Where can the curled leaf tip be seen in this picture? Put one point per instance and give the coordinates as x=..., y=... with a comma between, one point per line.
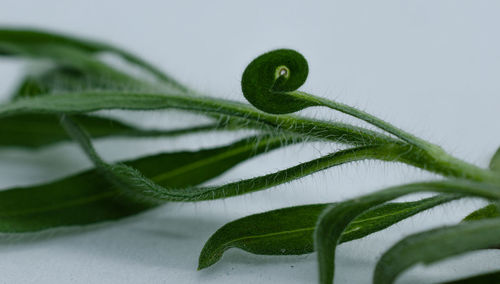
x=270, y=81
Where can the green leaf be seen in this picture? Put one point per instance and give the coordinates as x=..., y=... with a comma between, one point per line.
x=270, y=81
x=76, y=78
x=335, y=219
x=88, y=197
x=489, y=211
x=290, y=230
x=435, y=245
x=29, y=42
x=30, y=86
x=495, y=161
x=488, y=278
x=71, y=78
x=36, y=130
x=386, y=215
x=67, y=57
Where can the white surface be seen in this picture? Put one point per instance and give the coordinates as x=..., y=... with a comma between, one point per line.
x=431, y=67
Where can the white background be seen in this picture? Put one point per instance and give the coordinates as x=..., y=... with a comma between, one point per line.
x=430, y=67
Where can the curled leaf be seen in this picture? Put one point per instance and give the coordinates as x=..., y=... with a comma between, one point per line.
x=270, y=81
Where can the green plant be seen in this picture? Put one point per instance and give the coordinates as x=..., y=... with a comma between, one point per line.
x=58, y=102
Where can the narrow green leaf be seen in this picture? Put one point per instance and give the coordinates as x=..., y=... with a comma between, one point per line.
x=488, y=278
x=88, y=197
x=335, y=219
x=495, y=161
x=36, y=130
x=385, y=215
x=489, y=211
x=30, y=86
x=290, y=230
x=66, y=57
x=29, y=42
x=72, y=78
x=77, y=77
x=435, y=245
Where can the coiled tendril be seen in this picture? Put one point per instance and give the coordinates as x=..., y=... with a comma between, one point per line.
x=270, y=81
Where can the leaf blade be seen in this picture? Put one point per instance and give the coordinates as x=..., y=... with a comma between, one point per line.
x=290, y=230
x=38, y=130
x=87, y=197
x=495, y=161
x=489, y=211
x=30, y=42
x=487, y=278
x=435, y=245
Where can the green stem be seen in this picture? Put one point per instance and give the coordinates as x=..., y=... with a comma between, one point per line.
x=449, y=165
x=405, y=136
x=92, y=101
x=439, y=161
x=132, y=179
